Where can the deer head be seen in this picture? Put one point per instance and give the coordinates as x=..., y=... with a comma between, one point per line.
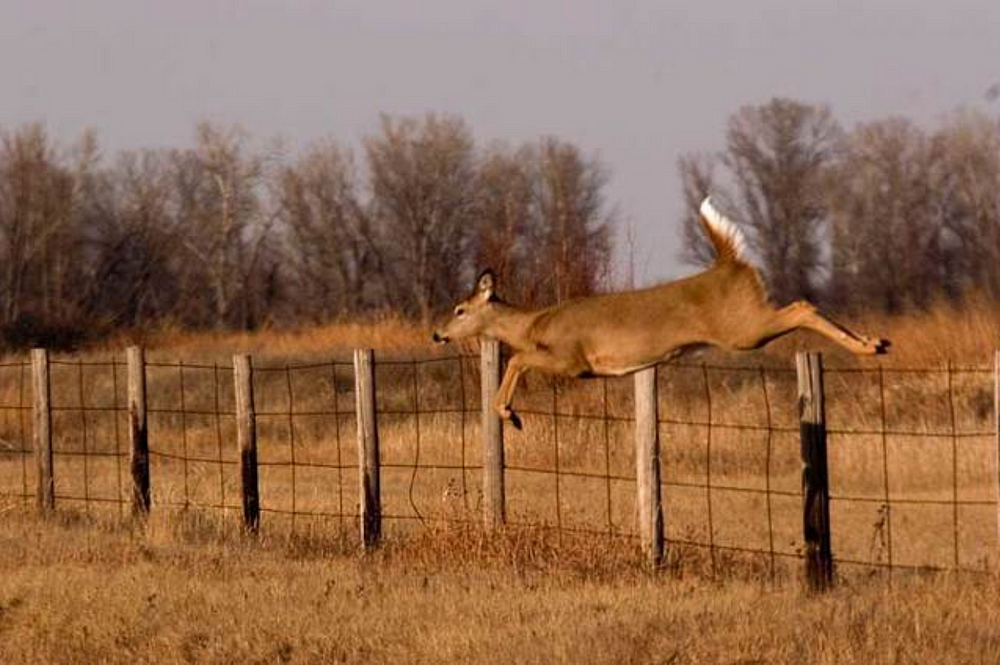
x=472, y=315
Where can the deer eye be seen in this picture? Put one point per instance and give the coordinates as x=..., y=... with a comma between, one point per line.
x=459, y=311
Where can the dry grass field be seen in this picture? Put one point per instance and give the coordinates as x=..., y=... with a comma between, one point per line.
x=88, y=586
x=76, y=591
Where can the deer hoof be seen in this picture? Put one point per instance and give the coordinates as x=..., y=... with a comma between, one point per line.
x=872, y=347
x=506, y=413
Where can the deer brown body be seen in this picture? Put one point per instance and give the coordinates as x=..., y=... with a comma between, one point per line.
x=725, y=306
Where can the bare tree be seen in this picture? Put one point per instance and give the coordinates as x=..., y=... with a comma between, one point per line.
x=575, y=226
x=192, y=235
x=777, y=153
x=697, y=181
x=506, y=232
x=134, y=252
x=37, y=239
x=967, y=194
x=222, y=223
x=885, y=236
x=423, y=199
x=334, y=261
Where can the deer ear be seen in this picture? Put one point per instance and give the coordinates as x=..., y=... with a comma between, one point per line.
x=486, y=283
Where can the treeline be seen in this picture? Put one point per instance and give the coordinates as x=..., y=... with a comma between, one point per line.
x=885, y=215
x=226, y=235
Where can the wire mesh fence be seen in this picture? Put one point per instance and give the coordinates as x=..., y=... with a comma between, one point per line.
x=912, y=454
x=15, y=432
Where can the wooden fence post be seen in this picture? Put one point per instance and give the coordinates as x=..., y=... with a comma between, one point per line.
x=246, y=435
x=42, y=412
x=647, y=461
x=493, y=480
x=368, y=451
x=815, y=480
x=996, y=442
x=138, y=433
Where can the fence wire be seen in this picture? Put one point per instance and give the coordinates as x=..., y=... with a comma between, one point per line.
x=912, y=456
x=18, y=480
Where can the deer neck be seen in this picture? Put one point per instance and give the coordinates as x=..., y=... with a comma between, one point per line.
x=510, y=325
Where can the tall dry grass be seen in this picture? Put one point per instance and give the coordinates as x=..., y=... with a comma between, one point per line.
x=74, y=591
x=388, y=333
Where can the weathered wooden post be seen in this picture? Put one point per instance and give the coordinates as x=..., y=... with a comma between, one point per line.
x=996, y=442
x=368, y=451
x=493, y=481
x=815, y=480
x=246, y=436
x=42, y=418
x=138, y=432
x=647, y=462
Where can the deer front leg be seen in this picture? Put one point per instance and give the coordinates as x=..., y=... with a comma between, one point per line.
x=565, y=365
x=505, y=394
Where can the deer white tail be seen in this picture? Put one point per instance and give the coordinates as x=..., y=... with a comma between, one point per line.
x=726, y=237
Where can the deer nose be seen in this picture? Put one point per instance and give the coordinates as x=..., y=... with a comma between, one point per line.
x=439, y=339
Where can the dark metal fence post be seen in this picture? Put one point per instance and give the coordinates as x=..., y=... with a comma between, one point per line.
x=815, y=480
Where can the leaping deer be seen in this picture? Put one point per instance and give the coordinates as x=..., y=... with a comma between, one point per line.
x=725, y=306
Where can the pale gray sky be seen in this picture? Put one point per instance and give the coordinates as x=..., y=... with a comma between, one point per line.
x=636, y=83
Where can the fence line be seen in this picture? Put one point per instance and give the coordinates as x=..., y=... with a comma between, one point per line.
x=413, y=431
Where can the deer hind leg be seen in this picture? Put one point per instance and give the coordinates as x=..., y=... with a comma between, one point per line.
x=802, y=314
